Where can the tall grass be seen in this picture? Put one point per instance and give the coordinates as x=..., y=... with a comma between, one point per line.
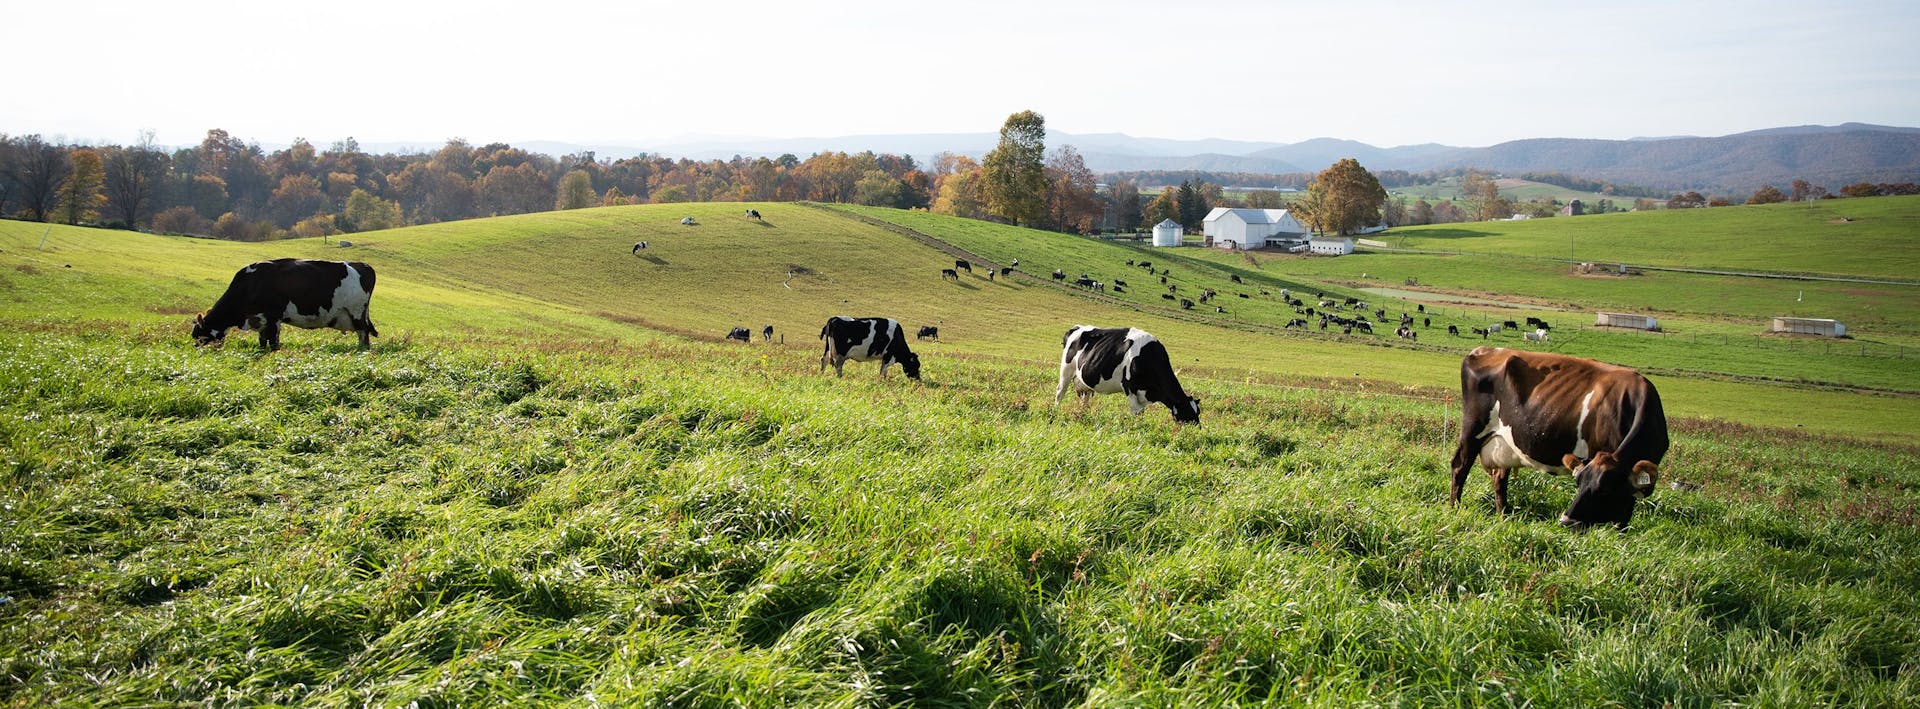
x=448, y=522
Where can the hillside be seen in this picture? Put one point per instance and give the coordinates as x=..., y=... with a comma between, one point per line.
x=551, y=483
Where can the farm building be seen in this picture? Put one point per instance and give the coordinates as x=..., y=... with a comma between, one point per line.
x=1167, y=233
x=1330, y=246
x=1230, y=228
x=1810, y=326
x=1637, y=322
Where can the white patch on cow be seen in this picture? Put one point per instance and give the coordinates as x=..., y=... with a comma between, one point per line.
x=1580, y=448
x=865, y=350
x=1499, y=450
x=349, y=303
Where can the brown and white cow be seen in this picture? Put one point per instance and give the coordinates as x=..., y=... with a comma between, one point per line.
x=1601, y=422
x=298, y=292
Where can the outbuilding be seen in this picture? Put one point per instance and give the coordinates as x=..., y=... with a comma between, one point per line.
x=1167, y=233
x=1810, y=326
x=1330, y=246
x=1231, y=228
x=1637, y=322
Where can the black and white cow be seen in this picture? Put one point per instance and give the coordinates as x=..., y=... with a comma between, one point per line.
x=753, y=214
x=926, y=332
x=741, y=334
x=864, y=340
x=1122, y=360
x=298, y=292
x=766, y=331
x=638, y=246
x=963, y=265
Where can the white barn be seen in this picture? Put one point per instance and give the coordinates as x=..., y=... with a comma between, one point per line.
x=1638, y=322
x=1167, y=233
x=1230, y=228
x=1330, y=246
x=1810, y=326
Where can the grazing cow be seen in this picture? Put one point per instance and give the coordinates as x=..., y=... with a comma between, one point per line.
x=989, y=274
x=1171, y=287
x=1120, y=283
x=1296, y=322
x=1186, y=304
x=1603, y=423
x=947, y=273
x=1118, y=289
x=1353, y=301
x=298, y=292
x=1147, y=265
x=1166, y=296
x=1129, y=262
x=753, y=214
x=1059, y=275
x=1084, y=282
x=1453, y=330
x=766, y=332
x=1536, y=336
x=1235, y=277
x=1494, y=328
x=741, y=334
x=1163, y=280
x=1481, y=331
x=1510, y=325
x=1364, y=326
x=1426, y=322
x=864, y=340
x=1015, y=264
x=638, y=245
x=1422, y=307
x=1219, y=309
x=1533, y=321
x=1243, y=295
x=963, y=265
x=687, y=221
x=1544, y=327
x=928, y=332
x=1122, y=360
x=1006, y=271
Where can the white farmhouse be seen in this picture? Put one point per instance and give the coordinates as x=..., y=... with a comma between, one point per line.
x=1167, y=233
x=1230, y=228
x=1330, y=246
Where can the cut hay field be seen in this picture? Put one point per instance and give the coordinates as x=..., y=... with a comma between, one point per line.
x=551, y=483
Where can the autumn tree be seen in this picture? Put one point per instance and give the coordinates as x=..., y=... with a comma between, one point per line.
x=1801, y=190
x=1687, y=200
x=1482, y=194
x=1345, y=198
x=576, y=191
x=1161, y=209
x=1015, y=175
x=519, y=189
x=1123, y=205
x=961, y=195
x=1072, y=204
x=132, y=174
x=1860, y=189
x=877, y=189
x=1266, y=199
x=181, y=220
x=297, y=198
x=38, y=170
x=80, y=198
x=365, y=212
x=1767, y=194
x=1421, y=213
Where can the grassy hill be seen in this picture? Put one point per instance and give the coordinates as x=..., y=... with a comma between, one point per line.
x=550, y=482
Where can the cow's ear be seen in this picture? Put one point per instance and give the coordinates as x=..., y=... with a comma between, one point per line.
x=1571, y=461
x=1645, y=474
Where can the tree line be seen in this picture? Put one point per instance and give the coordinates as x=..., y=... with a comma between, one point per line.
x=230, y=188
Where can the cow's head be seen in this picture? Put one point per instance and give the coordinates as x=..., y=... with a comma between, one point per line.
x=1188, y=411
x=205, y=335
x=1607, y=489
x=910, y=363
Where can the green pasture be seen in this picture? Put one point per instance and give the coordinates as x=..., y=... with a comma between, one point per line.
x=1873, y=237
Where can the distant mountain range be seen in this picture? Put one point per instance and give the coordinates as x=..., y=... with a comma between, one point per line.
x=1831, y=156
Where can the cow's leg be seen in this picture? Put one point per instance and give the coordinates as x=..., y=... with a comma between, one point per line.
x=1060, y=392
x=1467, y=452
x=270, y=335
x=839, y=365
x=884, y=361
x=1500, y=489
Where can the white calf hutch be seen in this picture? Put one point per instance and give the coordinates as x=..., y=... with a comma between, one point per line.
x=1810, y=326
x=1330, y=246
x=1629, y=320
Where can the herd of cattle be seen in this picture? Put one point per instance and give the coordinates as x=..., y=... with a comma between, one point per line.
x=1599, y=422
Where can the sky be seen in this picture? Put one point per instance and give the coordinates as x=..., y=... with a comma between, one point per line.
x=640, y=73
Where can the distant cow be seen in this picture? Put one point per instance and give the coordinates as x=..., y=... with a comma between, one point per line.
x=298, y=292
x=1186, y=304
x=1166, y=296
x=766, y=332
x=1006, y=271
x=1235, y=277
x=928, y=332
x=1453, y=330
x=1120, y=283
x=865, y=340
x=638, y=245
x=1126, y=361
x=1147, y=265
x=687, y=221
x=741, y=334
x=1059, y=275
x=1536, y=336
x=1603, y=423
x=1482, y=332
x=753, y=214
x=1494, y=328
x=963, y=265
x=1510, y=325
x=946, y=273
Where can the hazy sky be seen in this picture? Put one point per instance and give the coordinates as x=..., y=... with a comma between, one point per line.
x=639, y=73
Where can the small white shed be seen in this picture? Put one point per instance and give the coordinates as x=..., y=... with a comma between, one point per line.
x=1167, y=233
x=1810, y=326
x=1330, y=246
x=1637, y=322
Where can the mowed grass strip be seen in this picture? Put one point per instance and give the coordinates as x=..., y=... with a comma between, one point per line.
x=448, y=521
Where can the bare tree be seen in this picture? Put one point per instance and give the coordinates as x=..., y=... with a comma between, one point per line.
x=38, y=172
x=133, y=174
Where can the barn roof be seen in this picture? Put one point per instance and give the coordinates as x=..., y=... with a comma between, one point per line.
x=1250, y=216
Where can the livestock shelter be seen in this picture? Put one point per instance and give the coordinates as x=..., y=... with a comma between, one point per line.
x=1637, y=322
x=1330, y=246
x=1810, y=326
x=1230, y=228
x=1167, y=233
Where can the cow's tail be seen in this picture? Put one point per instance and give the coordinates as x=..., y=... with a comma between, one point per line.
x=823, y=330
